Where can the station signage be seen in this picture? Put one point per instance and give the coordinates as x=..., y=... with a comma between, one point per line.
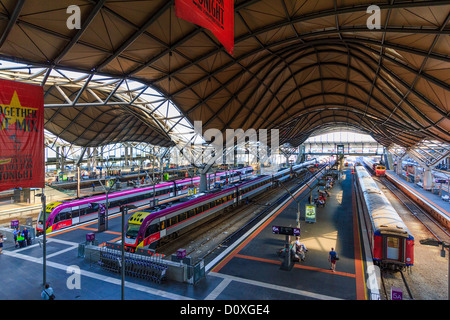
x=286, y=231
x=14, y=224
x=101, y=217
x=396, y=293
x=310, y=213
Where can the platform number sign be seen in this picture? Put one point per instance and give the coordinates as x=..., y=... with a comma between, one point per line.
x=396, y=293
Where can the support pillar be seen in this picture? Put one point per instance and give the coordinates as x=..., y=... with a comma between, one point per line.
x=203, y=182
x=63, y=158
x=399, y=166
x=58, y=167
x=427, y=179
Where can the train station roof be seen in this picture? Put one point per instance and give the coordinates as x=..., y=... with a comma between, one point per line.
x=297, y=66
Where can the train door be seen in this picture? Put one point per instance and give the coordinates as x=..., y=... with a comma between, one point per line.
x=393, y=248
x=75, y=215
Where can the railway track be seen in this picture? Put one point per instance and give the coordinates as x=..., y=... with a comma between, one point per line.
x=390, y=279
x=209, y=238
x=433, y=226
x=220, y=224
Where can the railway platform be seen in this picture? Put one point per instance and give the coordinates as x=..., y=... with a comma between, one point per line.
x=253, y=266
x=250, y=269
x=427, y=200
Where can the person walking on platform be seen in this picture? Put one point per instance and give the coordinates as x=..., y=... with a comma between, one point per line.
x=332, y=258
x=1, y=243
x=47, y=293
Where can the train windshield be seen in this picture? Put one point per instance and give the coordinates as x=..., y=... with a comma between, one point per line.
x=133, y=230
x=41, y=217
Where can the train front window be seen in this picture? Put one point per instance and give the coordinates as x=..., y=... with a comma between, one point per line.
x=132, y=230
x=41, y=217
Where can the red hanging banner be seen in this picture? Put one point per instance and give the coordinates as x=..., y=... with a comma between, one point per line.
x=214, y=15
x=22, y=161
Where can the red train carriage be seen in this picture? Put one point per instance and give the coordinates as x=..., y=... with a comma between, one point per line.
x=392, y=244
x=380, y=170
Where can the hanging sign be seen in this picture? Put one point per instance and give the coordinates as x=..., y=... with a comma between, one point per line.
x=289, y=231
x=214, y=15
x=21, y=135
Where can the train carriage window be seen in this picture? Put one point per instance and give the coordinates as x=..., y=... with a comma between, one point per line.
x=172, y=221
x=75, y=213
x=82, y=212
x=183, y=216
x=153, y=228
x=65, y=216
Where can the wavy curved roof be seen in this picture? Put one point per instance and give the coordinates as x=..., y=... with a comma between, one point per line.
x=297, y=66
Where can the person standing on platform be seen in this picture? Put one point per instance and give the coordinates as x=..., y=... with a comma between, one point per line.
x=332, y=258
x=1, y=243
x=15, y=233
x=25, y=233
x=20, y=240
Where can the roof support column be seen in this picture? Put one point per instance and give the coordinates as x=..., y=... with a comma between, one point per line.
x=427, y=179
x=83, y=151
x=203, y=182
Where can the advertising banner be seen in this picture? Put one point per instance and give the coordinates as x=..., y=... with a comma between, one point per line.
x=310, y=213
x=214, y=15
x=22, y=162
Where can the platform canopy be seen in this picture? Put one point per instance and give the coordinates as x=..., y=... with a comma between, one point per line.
x=298, y=65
